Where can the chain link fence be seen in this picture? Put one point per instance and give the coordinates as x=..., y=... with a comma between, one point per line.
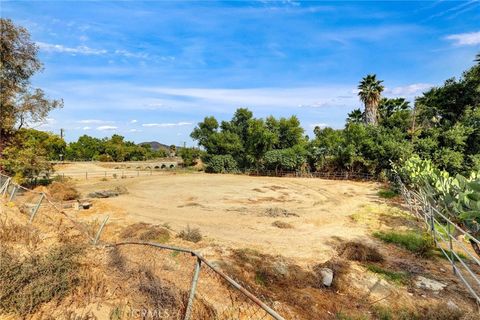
x=179, y=283
x=452, y=241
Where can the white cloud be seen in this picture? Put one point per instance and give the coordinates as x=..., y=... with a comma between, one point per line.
x=133, y=121
x=321, y=125
x=94, y=121
x=465, y=39
x=162, y=125
x=134, y=130
x=86, y=128
x=409, y=90
x=107, y=128
x=75, y=50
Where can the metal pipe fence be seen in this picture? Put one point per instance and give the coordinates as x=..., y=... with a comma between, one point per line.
x=449, y=238
x=203, y=290
x=307, y=174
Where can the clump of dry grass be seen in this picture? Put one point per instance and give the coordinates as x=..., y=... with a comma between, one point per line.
x=63, y=190
x=145, y=232
x=18, y=233
x=27, y=283
x=275, y=212
x=357, y=251
x=340, y=269
x=191, y=234
x=282, y=225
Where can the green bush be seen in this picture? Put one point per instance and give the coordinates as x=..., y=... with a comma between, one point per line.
x=418, y=243
x=221, y=164
x=387, y=193
x=396, y=277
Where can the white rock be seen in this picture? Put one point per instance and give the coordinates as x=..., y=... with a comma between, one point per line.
x=429, y=284
x=327, y=276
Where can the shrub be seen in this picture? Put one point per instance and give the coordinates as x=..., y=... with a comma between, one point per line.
x=387, y=193
x=357, y=251
x=63, y=191
x=418, y=243
x=192, y=235
x=27, y=283
x=221, y=164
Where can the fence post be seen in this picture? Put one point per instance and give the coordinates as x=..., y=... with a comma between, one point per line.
x=99, y=232
x=35, y=209
x=13, y=193
x=450, y=247
x=432, y=222
x=5, y=186
x=188, y=311
x=86, y=175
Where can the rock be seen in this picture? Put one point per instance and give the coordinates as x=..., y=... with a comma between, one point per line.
x=281, y=268
x=327, y=276
x=86, y=205
x=452, y=306
x=429, y=284
x=103, y=194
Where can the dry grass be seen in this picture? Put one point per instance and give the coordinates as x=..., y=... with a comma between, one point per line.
x=27, y=283
x=11, y=232
x=191, y=234
x=63, y=190
x=145, y=232
x=282, y=225
x=357, y=251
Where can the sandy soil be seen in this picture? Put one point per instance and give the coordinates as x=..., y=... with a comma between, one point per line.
x=232, y=210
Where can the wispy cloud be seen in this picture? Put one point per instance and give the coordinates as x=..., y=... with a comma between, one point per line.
x=408, y=91
x=86, y=128
x=133, y=121
x=48, y=47
x=465, y=39
x=107, y=128
x=160, y=125
x=455, y=10
x=94, y=121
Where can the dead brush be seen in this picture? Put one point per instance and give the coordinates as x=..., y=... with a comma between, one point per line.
x=27, y=283
x=63, y=190
x=282, y=225
x=191, y=234
x=357, y=251
x=145, y=232
x=116, y=260
x=18, y=233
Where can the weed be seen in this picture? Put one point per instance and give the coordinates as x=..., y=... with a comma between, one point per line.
x=418, y=243
x=396, y=277
x=13, y=232
x=27, y=283
x=387, y=193
x=357, y=251
x=116, y=259
x=192, y=235
x=282, y=225
x=442, y=311
x=157, y=235
x=439, y=253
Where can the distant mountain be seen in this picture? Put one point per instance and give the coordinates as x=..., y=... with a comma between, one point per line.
x=157, y=145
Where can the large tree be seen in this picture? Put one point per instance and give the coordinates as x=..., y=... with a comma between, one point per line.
x=20, y=104
x=370, y=93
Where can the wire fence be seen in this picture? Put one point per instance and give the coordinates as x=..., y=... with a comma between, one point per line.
x=307, y=174
x=188, y=286
x=450, y=239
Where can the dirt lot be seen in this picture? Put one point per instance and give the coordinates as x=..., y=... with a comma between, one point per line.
x=238, y=211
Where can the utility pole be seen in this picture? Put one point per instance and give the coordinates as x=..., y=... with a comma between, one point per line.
x=62, y=131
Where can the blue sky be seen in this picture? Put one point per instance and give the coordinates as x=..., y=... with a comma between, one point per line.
x=152, y=70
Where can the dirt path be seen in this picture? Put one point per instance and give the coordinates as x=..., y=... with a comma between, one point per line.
x=232, y=210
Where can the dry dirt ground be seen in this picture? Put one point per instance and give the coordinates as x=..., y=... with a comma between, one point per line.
x=238, y=211
x=238, y=217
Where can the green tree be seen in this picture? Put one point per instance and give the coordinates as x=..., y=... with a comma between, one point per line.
x=370, y=91
x=356, y=116
x=189, y=156
x=20, y=104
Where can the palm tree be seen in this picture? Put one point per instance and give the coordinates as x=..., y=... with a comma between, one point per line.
x=477, y=58
x=356, y=116
x=370, y=92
